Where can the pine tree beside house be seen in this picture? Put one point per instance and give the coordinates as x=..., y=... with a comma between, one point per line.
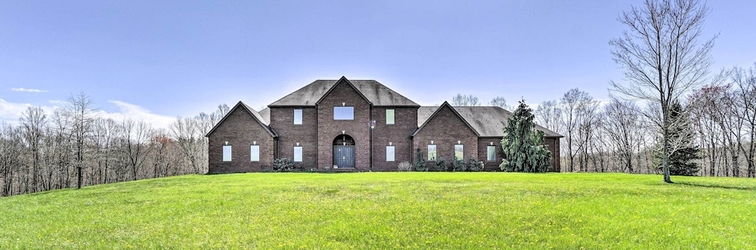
x=522, y=144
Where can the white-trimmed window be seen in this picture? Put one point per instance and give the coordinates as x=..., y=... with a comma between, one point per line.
x=343, y=113
x=227, y=153
x=432, y=152
x=491, y=154
x=389, y=116
x=298, y=154
x=254, y=152
x=390, y=150
x=297, y=116
x=459, y=152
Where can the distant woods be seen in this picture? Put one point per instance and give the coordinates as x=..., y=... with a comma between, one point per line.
x=712, y=129
x=45, y=149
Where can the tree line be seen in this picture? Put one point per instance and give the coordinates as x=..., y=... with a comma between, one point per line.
x=44, y=150
x=717, y=121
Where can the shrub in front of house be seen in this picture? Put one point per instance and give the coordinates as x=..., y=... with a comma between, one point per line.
x=459, y=165
x=474, y=165
x=283, y=165
x=420, y=161
x=441, y=164
x=405, y=166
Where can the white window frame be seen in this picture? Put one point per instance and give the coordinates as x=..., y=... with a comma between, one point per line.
x=298, y=117
x=345, y=110
x=432, y=157
x=390, y=153
x=459, y=148
x=297, y=154
x=491, y=153
x=227, y=153
x=390, y=116
x=254, y=153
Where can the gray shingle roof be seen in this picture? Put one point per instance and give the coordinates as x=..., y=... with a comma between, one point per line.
x=375, y=92
x=265, y=113
x=488, y=121
x=250, y=111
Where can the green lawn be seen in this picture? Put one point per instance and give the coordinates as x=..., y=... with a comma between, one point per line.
x=389, y=210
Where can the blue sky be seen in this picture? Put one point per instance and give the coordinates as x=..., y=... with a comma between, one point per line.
x=158, y=60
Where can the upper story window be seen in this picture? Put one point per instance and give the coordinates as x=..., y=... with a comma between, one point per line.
x=343, y=113
x=389, y=116
x=297, y=116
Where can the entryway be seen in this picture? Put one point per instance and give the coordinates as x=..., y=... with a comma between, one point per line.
x=343, y=151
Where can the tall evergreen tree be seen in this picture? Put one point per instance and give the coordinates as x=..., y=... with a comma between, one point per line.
x=523, y=145
x=683, y=148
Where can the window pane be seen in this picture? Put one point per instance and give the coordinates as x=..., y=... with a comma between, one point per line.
x=297, y=154
x=297, y=116
x=459, y=152
x=431, y=152
x=389, y=153
x=254, y=153
x=389, y=116
x=343, y=113
x=491, y=153
x=226, y=153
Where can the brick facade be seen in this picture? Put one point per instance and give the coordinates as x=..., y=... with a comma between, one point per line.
x=343, y=95
x=289, y=134
x=240, y=129
x=445, y=130
x=277, y=135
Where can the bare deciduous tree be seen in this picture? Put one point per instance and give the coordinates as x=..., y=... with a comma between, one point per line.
x=662, y=56
x=500, y=102
x=33, y=122
x=622, y=123
x=465, y=100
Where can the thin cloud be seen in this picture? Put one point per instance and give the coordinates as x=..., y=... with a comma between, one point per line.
x=137, y=113
x=10, y=113
x=28, y=90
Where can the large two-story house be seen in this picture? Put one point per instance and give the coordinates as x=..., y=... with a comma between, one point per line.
x=357, y=125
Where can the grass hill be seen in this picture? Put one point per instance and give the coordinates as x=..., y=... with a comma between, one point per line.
x=389, y=210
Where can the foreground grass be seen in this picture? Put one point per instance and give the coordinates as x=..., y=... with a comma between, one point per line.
x=389, y=210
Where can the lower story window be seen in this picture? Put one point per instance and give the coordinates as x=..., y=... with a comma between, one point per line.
x=254, y=153
x=431, y=152
x=298, y=154
x=227, y=153
x=459, y=152
x=390, y=153
x=491, y=153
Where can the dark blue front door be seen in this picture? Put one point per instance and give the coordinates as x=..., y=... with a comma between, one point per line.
x=343, y=156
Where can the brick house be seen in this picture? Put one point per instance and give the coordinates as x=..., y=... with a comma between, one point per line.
x=357, y=125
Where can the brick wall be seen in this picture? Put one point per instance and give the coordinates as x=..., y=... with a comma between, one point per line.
x=483, y=144
x=445, y=129
x=240, y=130
x=289, y=134
x=405, y=122
x=328, y=129
x=553, y=145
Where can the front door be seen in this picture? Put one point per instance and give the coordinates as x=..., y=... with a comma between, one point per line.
x=343, y=151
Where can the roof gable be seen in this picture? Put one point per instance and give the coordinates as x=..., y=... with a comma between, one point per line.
x=373, y=91
x=346, y=81
x=443, y=105
x=256, y=116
